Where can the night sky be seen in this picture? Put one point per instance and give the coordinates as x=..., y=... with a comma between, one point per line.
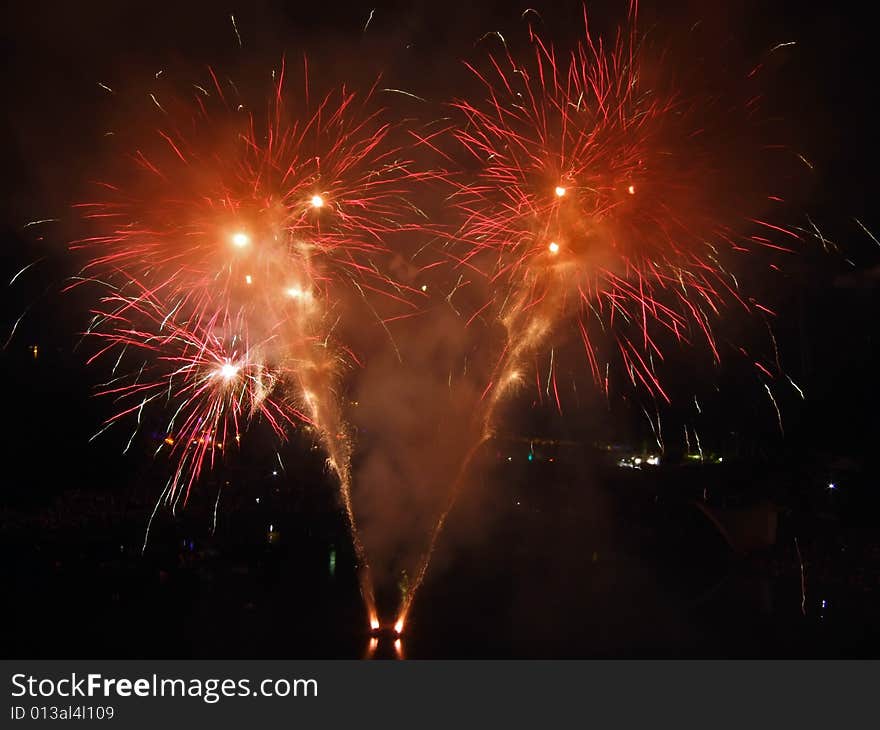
x=54, y=55
x=54, y=58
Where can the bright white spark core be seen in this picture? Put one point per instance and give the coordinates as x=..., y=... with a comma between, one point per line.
x=240, y=239
x=317, y=201
x=228, y=371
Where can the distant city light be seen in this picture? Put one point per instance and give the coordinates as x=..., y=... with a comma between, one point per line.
x=636, y=462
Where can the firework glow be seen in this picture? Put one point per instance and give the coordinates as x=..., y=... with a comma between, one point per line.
x=227, y=254
x=605, y=207
x=591, y=195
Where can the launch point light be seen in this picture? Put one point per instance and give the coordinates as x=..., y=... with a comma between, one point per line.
x=553, y=247
x=398, y=627
x=240, y=239
x=374, y=623
x=560, y=191
x=317, y=201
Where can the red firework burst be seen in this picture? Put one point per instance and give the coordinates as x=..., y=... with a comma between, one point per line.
x=606, y=200
x=228, y=246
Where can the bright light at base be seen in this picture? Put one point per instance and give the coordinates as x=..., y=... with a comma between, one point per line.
x=398, y=627
x=240, y=239
x=560, y=191
x=317, y=201
x=553, y=247
x=374, y=623
x=228, y=371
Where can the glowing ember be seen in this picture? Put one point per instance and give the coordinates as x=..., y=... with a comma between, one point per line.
x=228, y=371
x=317, y=201
x=240, y=239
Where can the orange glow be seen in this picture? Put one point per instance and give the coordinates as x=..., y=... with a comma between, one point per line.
x=398, y=627
x=374, y=623
x=169, y=440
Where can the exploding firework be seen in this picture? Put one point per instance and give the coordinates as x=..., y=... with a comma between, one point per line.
x=604, y=204
x=228, y=248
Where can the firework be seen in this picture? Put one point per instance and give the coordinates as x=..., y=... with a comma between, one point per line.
x=227, y=248
x=604, y=204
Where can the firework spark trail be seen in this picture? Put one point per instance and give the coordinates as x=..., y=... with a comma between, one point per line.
x=323, y=407
x=227, y=250
x=602, y=202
